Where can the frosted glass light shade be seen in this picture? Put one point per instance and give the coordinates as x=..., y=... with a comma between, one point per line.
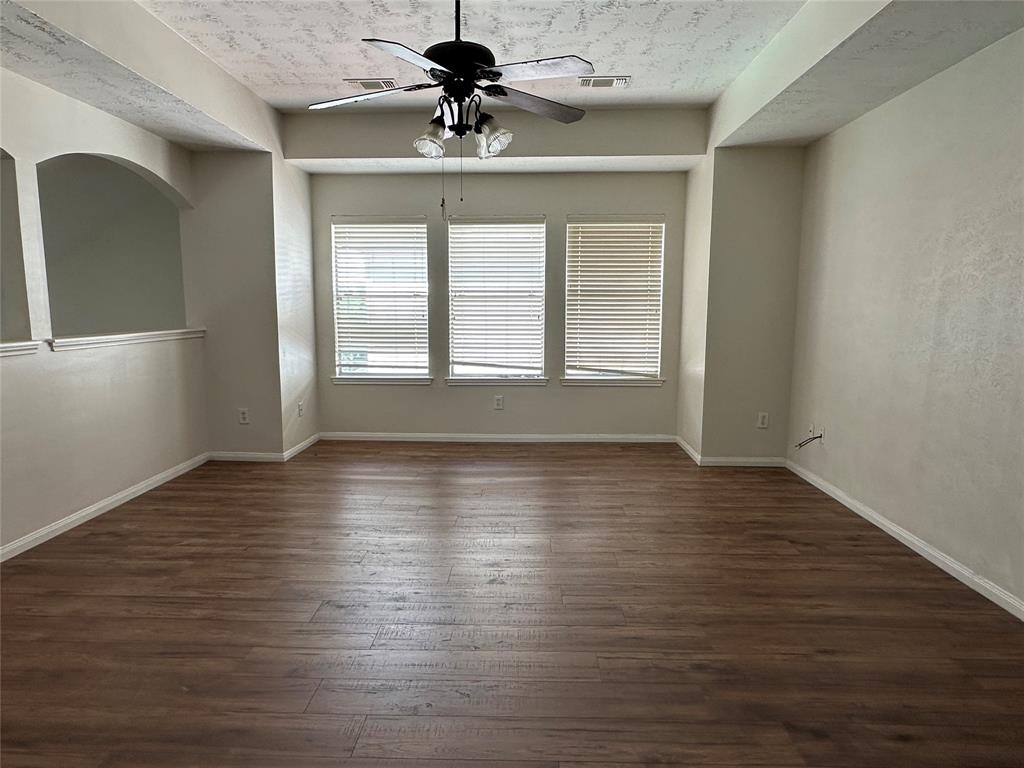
x=492, y=138
x=481, y=147
x=431, y=143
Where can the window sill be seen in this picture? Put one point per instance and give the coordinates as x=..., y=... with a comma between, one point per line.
x=119, y=339
x=473, y=381
x=12, y=348
x=413, y=380
x=599, y=382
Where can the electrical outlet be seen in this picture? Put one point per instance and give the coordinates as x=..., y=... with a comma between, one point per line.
x=762, y=420
x=499, y=402
x=817, y=429
x=243, y=415
x=302, y=408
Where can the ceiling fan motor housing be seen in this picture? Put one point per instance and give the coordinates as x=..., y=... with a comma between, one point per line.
x=461, y=57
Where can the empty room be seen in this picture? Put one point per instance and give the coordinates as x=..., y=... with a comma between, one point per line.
x=500, y=384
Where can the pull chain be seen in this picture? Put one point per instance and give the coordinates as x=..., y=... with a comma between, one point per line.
x=460, y=169
x=444, y=214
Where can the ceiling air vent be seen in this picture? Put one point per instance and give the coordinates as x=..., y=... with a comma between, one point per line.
x=371, y=84
x=609, y=81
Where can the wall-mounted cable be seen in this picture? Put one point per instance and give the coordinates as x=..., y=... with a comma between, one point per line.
x=809, y=440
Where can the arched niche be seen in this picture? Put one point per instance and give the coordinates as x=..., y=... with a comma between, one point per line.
x=14, y=318
x=112, y=243
x=178, y=196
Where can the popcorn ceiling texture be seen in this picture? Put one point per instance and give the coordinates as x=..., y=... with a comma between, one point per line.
x=294, y=52
x=903, y=45
x=36, y=49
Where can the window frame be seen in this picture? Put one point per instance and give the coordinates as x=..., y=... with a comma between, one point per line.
x=364, y=379
x=539, y=379
x=624, y=380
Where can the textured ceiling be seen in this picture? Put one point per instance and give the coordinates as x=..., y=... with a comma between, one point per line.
x=36, y=49
x=294, y=52
x=907, y=42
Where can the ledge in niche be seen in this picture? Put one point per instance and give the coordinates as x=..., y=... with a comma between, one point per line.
x=119, y=339
x=12, y=348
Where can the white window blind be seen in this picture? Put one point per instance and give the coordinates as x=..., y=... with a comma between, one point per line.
x=496, y=298
x=613, y=298
x=380, y=298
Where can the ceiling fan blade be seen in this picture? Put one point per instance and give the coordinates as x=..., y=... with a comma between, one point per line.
x=563, y=113
x=405, y=53
x=538, y=69
x=370, y=95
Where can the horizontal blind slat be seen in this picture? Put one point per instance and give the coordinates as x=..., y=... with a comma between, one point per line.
x=496, y=297
x=380, y=299
x=613, y=298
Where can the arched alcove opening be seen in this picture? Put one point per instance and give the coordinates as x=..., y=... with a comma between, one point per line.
x=14, y=322
x=112, y=244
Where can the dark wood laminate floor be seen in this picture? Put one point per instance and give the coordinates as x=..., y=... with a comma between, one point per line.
x=385, y=605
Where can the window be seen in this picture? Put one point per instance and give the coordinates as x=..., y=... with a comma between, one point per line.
x=380, y=299
x=613, y=300
x=496, y=299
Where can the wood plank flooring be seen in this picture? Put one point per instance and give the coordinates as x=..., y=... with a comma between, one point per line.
x=389, y=605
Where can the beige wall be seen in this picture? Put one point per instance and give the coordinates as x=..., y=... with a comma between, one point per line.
x=552, y=409
x=37, y=123
x=755, y=244
x=113, y=250
x=79, y=426
x=604, y=133
x=816, y=29
x=296, y=330
x=694, y=315
x=82, y=425
x=742, y=242
x=910, y=318
x=227, y=244
x=14, y=302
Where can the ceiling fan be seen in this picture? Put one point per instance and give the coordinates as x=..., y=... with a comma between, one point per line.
x=464, y=70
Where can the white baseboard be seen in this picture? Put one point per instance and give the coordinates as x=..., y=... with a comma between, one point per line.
x=472, y=437
x=93, y=510
x=690, y=450
x=742, y=461
x=245, y=456
x=953, y=567
x=729, y=461
x=105, y=505
x=264, y=457
x=295, y=450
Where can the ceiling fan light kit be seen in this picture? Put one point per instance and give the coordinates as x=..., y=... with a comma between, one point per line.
x=464, y=70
